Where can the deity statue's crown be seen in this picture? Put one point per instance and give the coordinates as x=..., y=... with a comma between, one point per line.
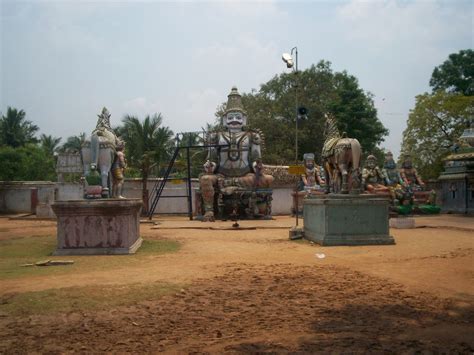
x=371, y=157
x=234, y=102
x=308, y=156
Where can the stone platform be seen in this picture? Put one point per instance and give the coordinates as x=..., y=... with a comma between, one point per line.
x=337, y=219
x=98, y=227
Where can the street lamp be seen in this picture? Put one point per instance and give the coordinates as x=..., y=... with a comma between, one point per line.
x=288, y=59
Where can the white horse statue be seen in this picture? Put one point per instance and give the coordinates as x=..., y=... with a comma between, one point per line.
x=98, y=152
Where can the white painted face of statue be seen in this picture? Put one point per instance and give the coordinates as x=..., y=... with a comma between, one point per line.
x=234, y=121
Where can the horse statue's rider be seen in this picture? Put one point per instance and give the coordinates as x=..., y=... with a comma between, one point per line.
x=341, y=159
x=234, y=163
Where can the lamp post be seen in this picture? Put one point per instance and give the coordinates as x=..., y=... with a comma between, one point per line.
x=288, y=59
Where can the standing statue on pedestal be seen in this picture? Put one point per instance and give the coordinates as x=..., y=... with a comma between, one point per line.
x=372, y=177
x=233, y=171
x=98, y=153
x=118, y=168
x=341, y=159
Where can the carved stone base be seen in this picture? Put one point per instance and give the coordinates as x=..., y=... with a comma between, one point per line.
x=347, y=220
x=96, y=227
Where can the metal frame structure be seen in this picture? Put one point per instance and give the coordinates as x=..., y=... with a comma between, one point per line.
x=157, y=190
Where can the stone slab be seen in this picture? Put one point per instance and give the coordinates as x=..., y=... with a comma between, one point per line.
x=402, y=223
x=337, y=219
x=98, y=227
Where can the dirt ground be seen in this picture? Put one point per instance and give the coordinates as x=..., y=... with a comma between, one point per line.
x=253, y=290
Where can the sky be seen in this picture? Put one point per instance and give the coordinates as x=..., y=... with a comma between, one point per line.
x=62, y=61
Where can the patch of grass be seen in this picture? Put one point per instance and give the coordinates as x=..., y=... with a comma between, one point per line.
x=158, y=247
x=16, y=252
x=86, y=298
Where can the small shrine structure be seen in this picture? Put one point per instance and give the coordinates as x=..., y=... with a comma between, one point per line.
x=457, y=179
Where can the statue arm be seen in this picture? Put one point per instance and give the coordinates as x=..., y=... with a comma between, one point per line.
x=255, y=147
x=419, y=180
x=385, y=177
x=403, y=177
x=381, y=176
x=365, y=175
x=123, y=161
x=212, y=155
x=304, y=179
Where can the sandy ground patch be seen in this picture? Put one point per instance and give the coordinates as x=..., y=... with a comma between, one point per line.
x=254, y=290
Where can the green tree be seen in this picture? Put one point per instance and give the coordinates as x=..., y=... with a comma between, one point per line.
x=50, y=144
x=456, y=74
x=197, y=155
x=15, y=130
x=29, y=162
x=148, y=145
x=73, y=144
x=433, y=126
x=272, y=109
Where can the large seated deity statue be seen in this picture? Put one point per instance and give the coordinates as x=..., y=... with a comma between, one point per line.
x=372, y=177
x=410, y=175
x=311, y=179
x=413, y=182
x=398, y=194
x=233, y=182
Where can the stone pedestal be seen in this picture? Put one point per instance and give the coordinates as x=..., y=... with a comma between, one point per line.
x=347, y=220
x=95, y=227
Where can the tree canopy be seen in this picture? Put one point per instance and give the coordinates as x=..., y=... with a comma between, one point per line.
x=73, y=144
x=438, y=119
x=29, y=162
x=320, y=90
x=456, y=74
x=15, y=130
x=147, y=142
x=50, y=144
x=433, y=127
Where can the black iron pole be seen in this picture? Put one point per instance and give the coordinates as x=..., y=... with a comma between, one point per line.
x=190, y=191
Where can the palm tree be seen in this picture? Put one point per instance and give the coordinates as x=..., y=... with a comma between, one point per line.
x=50, y=144
x=73, y=144
x=15, y=131
x=147, y=145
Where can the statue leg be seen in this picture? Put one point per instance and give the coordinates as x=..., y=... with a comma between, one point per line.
x=345, y=186
x=117, y=183
x=94, y=151
x=327, y=178
x=105, y=162
x=207, y=184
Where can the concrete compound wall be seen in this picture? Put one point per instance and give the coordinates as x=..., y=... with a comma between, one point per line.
x=24, y=197
x=19, y=197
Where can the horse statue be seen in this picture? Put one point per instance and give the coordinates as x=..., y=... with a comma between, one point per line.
x=98, y=154
x=341, y=160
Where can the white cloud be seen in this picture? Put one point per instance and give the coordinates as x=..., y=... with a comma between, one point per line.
x=381, y=24
x=246, y=59
x=251, y=8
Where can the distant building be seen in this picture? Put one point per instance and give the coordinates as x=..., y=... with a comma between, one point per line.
x=457, y=180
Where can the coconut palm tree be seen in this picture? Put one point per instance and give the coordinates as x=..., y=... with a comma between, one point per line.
x=73, y=144
x=148, y=144
x=50, y=144
x=15, y=131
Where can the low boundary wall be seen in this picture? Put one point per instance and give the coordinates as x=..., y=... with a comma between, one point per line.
x=30, y=197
